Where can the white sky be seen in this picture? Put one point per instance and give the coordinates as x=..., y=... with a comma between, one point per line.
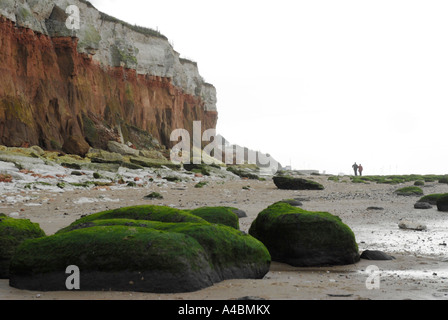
x=318, y=84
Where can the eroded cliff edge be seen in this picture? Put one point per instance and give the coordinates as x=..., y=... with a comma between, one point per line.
x=70, y=90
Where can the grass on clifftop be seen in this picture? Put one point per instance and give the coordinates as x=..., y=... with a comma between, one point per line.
x=143, y=30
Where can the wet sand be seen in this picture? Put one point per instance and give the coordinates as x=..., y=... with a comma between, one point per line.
x=420, y=270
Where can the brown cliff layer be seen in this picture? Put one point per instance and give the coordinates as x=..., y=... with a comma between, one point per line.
x=59, y=99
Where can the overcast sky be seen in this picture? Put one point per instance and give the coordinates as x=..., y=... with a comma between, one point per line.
x=318, y=84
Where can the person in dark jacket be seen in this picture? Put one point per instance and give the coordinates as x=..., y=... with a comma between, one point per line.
x=355, y=168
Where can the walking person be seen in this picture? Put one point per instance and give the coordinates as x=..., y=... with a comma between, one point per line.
x=355, y=168
x=360, y=169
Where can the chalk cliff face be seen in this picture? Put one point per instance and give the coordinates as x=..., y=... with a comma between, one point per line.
x=70, y=90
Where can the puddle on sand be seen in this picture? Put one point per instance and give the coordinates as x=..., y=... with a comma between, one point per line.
x=389, y=238
x=411, y=274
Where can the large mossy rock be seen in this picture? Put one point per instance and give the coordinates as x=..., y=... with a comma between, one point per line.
x=292, y=183
x=232, y=254
x=144, y=249
x=442, y=203
x=219, y=215
x=305, y=239
x=112, y=258
x=432, y=198
x=12, y=233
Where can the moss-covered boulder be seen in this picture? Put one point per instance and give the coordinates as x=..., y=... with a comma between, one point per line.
x=432, y=198
x=442, y=203
x=292, y=183
x=12, y=233
x=219, y=215
x=409, y=191
x=139, y=255
x=112, y=258
x=305, y=239
x=231, y=253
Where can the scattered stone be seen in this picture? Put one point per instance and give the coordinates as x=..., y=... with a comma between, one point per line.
x=122, y=149
x=76, y=145
x=153, y=196
x=376, y=255
x=423, y=205
x=291, y=183
x=251, y=298
x=375, y=208
x=293, y=202
x=410, y=225
x=240, y=213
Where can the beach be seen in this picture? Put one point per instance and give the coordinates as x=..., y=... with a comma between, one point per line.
x=419, y=270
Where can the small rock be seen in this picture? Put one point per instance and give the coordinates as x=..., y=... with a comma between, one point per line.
x=375, y=208
x=250, y=298
x=376, y=255
x=423, y=205
x=409, y=225
x=293, y=202
x=240, y=213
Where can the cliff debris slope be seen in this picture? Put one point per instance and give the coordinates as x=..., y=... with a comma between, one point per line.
x=69, y=90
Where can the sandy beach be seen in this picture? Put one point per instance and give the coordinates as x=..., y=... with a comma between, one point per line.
x=419, y=272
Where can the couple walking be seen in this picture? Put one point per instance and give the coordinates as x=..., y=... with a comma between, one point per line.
x=358, y=168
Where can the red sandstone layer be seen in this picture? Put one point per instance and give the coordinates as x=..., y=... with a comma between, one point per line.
x=57, y=98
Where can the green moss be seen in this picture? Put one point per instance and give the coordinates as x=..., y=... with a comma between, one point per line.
x=359, y=180
x=18, y=109
x=123, y=56
x=173, y=179
x=154, y=163
x=198, y=168
x=154, y=195
x=200, y=185
x=12, y=233
x=334, y=179
x=108, y=249
x=91, y=38
x=87, y=184
x=397, y=179
x=218, y=215
x=150, y=213
x=432, y=198
x=409, y=191
x=222, y=244
x=142, y=30
x=242, y=173
x=443, y=180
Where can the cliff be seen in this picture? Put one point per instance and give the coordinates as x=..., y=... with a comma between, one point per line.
x=70, y=90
